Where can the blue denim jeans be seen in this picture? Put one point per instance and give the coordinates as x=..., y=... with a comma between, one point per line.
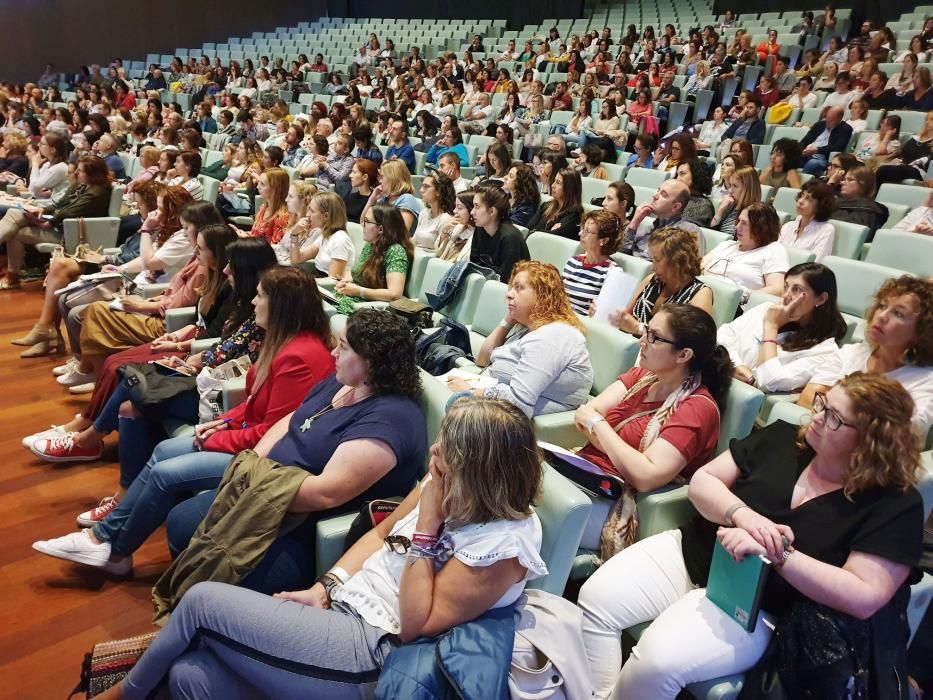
x=176, y=469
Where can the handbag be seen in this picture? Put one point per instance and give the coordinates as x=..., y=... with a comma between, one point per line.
x=533, y=676
x=371, y=514
x=109, y=662
x=151, y=384
x=414, y=313
x=210, y=384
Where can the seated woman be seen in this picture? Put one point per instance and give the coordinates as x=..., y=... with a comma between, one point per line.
x=727, y=166
x=383, y=264
x=778, y=347
x=456, y=237
x=106, y=331
x=45, y=338
x=744, y=189
x=374, y=598
x=856, y=203
x=364, y=176
x=589, y=162
x=845, y=545
x=755, y=261
x=48, y=172
x=165, y=244
x=544, y=366
x=898, y=343
x=522, y=188
x=439, y=198
x=883, y=147
x=88, y=196
x=395, y=189
x=187, y=169
x=583, y=275
x=271, y=221
x=321, y=236
x=912, y=162
x=696, y=175
x=659, y=422
x=812, y=230
x=782, y=170
x=561, y=215
x=919, y=220
x=300, y=194
x=620, y=200
x=547, y=164
x=675, y=264
x=295, y=357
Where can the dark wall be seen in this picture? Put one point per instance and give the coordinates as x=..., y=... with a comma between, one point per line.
x=69, y=33
x=517, y=12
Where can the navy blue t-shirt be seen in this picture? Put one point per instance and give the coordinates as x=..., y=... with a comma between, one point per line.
x=394, y=420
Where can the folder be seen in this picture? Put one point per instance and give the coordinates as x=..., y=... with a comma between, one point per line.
x=736, y=587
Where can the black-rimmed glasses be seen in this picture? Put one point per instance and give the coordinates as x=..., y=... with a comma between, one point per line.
x=833, y=419
x=651, y=337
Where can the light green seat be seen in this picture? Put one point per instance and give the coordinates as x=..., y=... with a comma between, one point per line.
x=644, y=177
x=210, y=188
x=639, y=268
x=594, y=188
x=100, y=232
x=911, y=252
x=552, y=249
x=785, y=199
x=418, y=267
x=857, y=282
x=910, y=195
x=490, y=310
x=712, y=238
x=726, y=298
x=796, y=256
x=849, y=239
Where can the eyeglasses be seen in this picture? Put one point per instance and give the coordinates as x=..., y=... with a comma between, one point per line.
x=369, y=221
x=832, y=418
x=652, y=338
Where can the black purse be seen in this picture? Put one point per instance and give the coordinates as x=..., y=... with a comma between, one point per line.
x=151, y=384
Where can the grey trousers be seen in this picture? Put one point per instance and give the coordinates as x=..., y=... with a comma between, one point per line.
x=72, y=319
x=229, y=642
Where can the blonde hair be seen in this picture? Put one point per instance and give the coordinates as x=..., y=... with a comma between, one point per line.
x=551, y=303
x=396, y=180
x=887, y=454
x=751, y=186
x=331, y=204
x=679, y=248
x=278, y=184
x=151, y=154
x=493, y=465
x=305, y=189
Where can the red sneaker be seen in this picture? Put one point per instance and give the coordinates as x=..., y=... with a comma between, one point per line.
x=63, y=448
x=91, y=517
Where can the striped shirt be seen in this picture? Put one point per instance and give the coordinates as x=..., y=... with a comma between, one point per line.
x=583, y=281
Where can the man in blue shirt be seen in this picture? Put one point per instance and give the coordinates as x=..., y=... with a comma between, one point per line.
x=107, y=150
x=399, y=147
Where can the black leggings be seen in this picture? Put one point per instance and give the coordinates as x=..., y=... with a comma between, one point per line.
x=896, y=173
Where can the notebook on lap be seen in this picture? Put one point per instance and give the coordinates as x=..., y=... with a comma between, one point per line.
x=736, y=587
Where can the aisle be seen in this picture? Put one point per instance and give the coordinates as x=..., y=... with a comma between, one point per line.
x=53, y=611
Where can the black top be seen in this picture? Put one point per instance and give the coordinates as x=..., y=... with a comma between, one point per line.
x=216, y=316
x=883, y=522
x=355, y=203
x=500, y=251
x=886, y=100
x=566, y=225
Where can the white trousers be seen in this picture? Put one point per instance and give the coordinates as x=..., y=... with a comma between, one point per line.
x=690, y=639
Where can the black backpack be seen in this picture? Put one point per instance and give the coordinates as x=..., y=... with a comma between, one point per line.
x=438, y=351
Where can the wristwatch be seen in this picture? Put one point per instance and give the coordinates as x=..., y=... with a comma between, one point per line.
x=331, y=583
x=592, y=422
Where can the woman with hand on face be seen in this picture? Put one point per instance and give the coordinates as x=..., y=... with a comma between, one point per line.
x=299, y=197
x=522, y=188
x=778, y=347
x=385, y=260
x=326, y=241
x=544, y=366
x=272, y=218
x=833, y=508
x=295, y=356
x=464, y=541
x=744, y=189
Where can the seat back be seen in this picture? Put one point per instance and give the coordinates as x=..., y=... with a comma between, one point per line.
x=549, y=248
x=418, y=267
x=712, y=238
x=738, y=419
x=796, y=256
x=849, y=239
x=463, y=308
x=490, y=309
x=785, y=199
x=911, y=252
x=116, y=200
x=643, y=177
x=611, y=352
x=433, y=401
x=433, y=273
x=639, y=268
x=910, y=195
x=101, y=232
x=726, y=298
x=593, y=188
x=563, y=511
x=857, y=282
x=355, y=231
x=211, y=188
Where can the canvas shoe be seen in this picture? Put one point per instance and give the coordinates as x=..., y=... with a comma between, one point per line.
x=73, y=377
x=82, y=388
x=69, y=366
x=52, y=432
x=63, y=448
x=80, y=548
x=90, y=518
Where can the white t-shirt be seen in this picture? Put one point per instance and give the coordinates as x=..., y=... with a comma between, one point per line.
x=374, y=591
x=835, y=99
x=817, y=237
x=428, y=227
x=917, y=380
x=746, y=268
x=802, y=102
x=788, y=371
x=338, y=246
x=174, y=254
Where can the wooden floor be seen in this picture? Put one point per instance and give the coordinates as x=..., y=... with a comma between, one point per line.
x=53, y=611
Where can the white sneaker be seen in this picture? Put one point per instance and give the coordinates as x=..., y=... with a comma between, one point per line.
x=74, y=377
x=79, y=547
x=82, y=388
x=54, y=431
x=69, y=366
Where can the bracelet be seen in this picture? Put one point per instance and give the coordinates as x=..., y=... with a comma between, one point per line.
x=424, y=540
x=415, y=552
x=503, y=324
x=768, y=340
x=731, y=511
x=362, y=292
x=593, y=422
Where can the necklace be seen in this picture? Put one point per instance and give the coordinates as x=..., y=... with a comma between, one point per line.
x=333, y=405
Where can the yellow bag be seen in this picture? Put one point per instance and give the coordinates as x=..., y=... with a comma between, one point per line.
x=779, y=113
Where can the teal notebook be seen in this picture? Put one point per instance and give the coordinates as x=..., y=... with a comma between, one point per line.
x=736, y=587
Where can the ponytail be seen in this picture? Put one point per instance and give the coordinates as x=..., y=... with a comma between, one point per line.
x=693, y=328
x=716, y=376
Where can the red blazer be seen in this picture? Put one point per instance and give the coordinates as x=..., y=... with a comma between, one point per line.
x=303, y=362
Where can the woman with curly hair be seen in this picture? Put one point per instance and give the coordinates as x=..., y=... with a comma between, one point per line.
x=383, y=264
x=295, y=357
x=696, y=175
x=522, y=188
x=786, y=157
x=439, y=199
x=833, y=508
x=537, y=355
x=898, y=343
x=811, y=230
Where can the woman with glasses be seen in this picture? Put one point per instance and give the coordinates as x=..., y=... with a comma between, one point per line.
x=778, y=347
x=755, y=260
x=833, y=508
x=811, y=230
x=644, y=152
x=464, y=541
x=856, y=203
x=898, y=343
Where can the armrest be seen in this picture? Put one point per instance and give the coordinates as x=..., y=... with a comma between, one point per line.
x=330, y=536
x=233, y=393
x=202, y=345
x=148, y=291
x=559, y=429
x=663, y=509
x=179, y=318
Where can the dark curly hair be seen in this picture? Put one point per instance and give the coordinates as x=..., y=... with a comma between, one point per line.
x=446, y=194
x=823, y=195
x=385, y=341
x=526, y=186
x=792, y=152
x=701, y=177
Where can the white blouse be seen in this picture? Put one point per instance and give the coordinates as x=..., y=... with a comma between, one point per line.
x=746, y=268
x=429, y=227
x=817, y=237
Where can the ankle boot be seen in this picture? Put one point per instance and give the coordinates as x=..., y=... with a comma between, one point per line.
x=37, y=334
x=11, y=281
x=53, y=344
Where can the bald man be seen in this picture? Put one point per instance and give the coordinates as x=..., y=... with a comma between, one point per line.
x=828, y=136
x=667, y=207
